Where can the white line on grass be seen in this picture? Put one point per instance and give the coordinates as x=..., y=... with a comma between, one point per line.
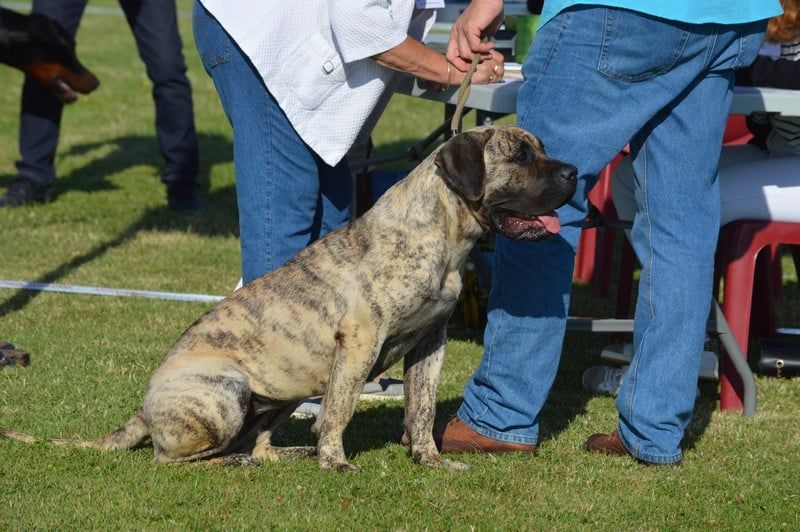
x=118, y=292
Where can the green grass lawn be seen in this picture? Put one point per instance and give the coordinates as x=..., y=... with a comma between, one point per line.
x=92, y=356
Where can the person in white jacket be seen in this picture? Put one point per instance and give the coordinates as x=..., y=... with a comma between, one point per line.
x=298, y=81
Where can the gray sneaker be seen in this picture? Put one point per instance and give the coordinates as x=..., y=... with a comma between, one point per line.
x=604, y=379
x=308, y=408
x=383, y=389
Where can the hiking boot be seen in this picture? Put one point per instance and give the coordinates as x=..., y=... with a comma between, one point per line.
x=22, y=191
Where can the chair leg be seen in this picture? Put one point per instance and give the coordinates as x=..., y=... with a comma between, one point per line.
x=627, y=263
x=584, y=259
x=776, y=270
x=762, y=312
x=601, y=197
x=604, y=261
x=737, y=301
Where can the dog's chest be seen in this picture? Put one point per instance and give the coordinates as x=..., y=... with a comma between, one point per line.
x=429, y=299
x=411, y=322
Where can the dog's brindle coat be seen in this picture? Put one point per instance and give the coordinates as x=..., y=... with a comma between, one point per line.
x=344, y=310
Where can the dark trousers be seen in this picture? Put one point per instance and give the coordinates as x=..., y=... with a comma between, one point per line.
x=155, y=27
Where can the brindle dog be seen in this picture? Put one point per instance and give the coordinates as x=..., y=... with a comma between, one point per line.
x=347, y=308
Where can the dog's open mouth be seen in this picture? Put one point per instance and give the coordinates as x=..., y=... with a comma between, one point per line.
x=523, y=227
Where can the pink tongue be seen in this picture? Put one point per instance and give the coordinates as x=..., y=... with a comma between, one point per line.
x=550, y=221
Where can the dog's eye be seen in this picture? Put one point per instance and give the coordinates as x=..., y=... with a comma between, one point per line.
x=522, y=156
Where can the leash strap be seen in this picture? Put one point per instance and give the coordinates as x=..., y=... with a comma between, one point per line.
x=463, y=94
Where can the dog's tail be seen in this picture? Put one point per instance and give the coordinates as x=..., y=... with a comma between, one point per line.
x=130, y=435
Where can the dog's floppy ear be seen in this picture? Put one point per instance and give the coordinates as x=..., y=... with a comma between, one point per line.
x=48, y=31
x=462, y=165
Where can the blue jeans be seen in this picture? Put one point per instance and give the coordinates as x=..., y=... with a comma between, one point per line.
x=287, y=196
x=595, y=80
x=154, y=24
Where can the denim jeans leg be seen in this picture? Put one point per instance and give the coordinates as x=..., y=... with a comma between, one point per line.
x=40, y=113
x=277, y=174
x=531, y=284
x=675, y=242
x=154, y=24
x=571, y=90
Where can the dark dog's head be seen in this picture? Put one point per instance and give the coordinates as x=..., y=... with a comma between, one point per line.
x=43, y=49
x=505, y=177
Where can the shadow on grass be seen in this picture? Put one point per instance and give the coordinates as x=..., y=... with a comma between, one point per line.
x=373, y=428
x=127, y=152
x=218, y=217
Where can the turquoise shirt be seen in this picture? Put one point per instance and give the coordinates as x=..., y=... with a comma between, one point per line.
x=692, y=11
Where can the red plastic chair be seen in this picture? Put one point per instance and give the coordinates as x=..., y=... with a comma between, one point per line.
x=736, y=131
x=596, y=245
x=743, y=245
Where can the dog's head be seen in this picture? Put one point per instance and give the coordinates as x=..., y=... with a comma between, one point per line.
x=505, y=177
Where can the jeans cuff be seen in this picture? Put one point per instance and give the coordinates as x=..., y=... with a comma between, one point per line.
x=648, y=457
x=495, y=435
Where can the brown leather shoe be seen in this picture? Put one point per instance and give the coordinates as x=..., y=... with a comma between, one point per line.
x=457, y=437
x=612, y=444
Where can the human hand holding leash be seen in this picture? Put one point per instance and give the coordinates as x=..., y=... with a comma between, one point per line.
x=480, y=19
x=413, y=57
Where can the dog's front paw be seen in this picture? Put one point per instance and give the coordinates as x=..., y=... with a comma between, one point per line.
x=436, y=460
x=338, y=466
x=454, y=465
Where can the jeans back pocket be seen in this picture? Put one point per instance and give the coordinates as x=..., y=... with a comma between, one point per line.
x=622, y=55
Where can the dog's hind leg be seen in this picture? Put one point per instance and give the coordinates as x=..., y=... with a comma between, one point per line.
x=198, y=415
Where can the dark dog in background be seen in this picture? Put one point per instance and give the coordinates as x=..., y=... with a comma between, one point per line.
x=44, y=50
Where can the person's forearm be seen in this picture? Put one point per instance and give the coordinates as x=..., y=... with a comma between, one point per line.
x=415, y=58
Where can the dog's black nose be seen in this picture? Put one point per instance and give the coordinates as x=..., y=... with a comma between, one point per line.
x=569, y=173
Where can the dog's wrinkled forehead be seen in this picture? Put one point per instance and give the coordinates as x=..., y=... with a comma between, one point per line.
x=507, y=142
